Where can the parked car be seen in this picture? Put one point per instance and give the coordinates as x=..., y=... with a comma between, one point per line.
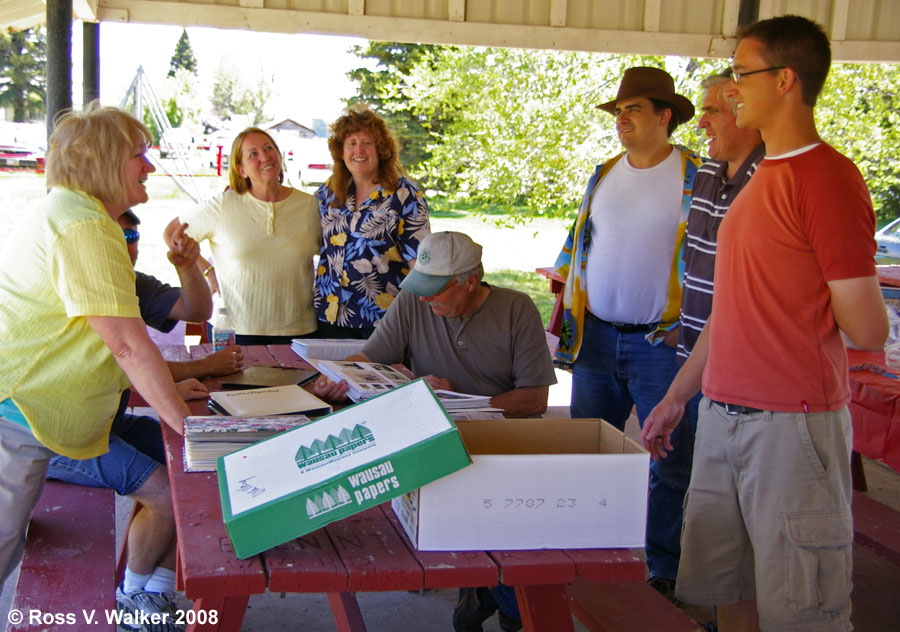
x=307, y=161
x=18, y=156
x=888, y=239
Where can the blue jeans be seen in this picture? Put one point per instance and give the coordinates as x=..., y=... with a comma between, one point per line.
x=505, y=596
x=135, y=451
x=615, y=371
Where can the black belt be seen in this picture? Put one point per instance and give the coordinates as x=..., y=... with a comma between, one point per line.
x=625, y=328
x=734, y=409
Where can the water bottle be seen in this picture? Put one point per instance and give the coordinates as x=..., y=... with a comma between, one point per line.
x=223, y=330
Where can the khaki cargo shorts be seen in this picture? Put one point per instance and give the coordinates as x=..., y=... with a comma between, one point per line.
x=767, y=517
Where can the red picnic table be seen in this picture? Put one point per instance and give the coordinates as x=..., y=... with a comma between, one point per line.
x=875, y=397
x=557, y=286
x=366, y=552
x=875, y=409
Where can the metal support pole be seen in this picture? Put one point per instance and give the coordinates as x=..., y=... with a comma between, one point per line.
x=91, y=62
x=59, y=59
x=748, y=12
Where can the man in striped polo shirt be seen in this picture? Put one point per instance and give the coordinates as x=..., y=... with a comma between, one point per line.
x=734, y=154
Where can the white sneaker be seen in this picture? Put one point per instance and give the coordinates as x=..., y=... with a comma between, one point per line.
x=146, y=611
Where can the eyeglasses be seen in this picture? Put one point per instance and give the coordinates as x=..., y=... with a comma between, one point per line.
x=446, y=287
x=131, y=235
x=737, y=77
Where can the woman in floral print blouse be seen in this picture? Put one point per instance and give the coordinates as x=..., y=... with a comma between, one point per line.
x=373, y=218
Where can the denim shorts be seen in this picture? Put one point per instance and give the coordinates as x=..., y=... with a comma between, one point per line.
x=135, y=451
x=767, y=517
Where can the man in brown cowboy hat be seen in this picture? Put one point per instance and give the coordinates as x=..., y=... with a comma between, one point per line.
x=623, y=290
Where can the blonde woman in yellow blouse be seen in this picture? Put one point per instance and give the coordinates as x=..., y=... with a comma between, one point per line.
x=263, y=236
x=71, y=334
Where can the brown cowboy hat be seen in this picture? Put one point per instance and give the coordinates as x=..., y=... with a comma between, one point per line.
x=651, y=83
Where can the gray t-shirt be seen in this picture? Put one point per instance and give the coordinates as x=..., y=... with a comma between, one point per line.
x=499, y=347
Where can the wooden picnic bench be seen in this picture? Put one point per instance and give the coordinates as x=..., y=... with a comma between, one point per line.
x=876, y=526
x=69, y=565
x=625, y=606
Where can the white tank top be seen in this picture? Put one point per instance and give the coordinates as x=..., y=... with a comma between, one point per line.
x=634, y=222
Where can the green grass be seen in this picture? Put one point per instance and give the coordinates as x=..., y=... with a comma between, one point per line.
x=531, y=283
x=445, y=206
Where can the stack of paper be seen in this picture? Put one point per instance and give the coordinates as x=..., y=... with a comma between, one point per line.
x=326, y=348
x=260, y=402
x=465, y=406
x=207, y=438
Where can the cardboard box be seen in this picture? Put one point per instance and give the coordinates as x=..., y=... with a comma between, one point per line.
x=339, y=465
x=534, y=484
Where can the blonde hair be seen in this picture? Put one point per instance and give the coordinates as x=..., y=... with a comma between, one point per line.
x=239, y=183
x=359, y=118
x=88, y=151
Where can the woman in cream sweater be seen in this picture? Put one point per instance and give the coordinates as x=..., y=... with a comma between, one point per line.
x=263, y=236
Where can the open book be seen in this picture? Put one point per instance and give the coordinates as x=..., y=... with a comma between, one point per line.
x=366, y=379
x=208, y=437
x=326, y=348
x=261, y=402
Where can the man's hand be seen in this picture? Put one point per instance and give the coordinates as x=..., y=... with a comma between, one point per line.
x=402, y=369
x=438, y=383
x=183, y=251
x=670, y=338
x=191, y=389
x=658, y=427
x=224, y=361
x=323, y=388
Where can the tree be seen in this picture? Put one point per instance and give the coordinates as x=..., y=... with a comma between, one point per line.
x=23, y=85
x=858, y=114
x=386, y=90
x=226, y=97
x=172, y=112
x=520, y=127
x=231, y=97
x=184, y=89
x=183, y=56
x=254, y=100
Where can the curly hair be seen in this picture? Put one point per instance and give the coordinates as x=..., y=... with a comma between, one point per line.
x=88, y=151
x=361, y=119
x=239, y=183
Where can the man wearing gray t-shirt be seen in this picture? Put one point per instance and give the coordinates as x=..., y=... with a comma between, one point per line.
x=462, y=334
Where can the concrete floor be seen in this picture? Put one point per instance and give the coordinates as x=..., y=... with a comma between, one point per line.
x=876, y=607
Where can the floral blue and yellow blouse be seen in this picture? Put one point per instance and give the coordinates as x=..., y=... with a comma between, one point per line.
x=365, y=251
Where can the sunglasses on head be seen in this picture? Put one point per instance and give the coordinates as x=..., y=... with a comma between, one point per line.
x=131, y=235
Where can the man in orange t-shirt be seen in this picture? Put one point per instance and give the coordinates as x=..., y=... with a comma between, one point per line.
x=767, y=525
